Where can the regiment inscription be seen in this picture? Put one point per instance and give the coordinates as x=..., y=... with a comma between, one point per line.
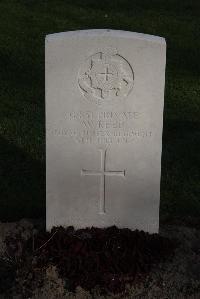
x=104, y=127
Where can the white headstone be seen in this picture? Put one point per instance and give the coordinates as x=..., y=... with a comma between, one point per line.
x=104, y=117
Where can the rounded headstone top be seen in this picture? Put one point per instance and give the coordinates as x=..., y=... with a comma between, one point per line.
x=106, y=32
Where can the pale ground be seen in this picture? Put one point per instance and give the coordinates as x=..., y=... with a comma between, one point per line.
x=178, y=277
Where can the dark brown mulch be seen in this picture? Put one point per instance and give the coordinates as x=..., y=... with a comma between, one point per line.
x=7, y=275
x=107, y=258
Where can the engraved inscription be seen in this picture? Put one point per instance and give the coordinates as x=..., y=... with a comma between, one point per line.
x=102, y=115
x=101, y=136
x=101, y=127
x=102, y=173
x=105, y=76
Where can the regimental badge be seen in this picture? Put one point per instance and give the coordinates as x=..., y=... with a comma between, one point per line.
x=106, y=76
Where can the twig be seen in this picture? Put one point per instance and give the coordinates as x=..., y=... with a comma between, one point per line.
x=47, y=241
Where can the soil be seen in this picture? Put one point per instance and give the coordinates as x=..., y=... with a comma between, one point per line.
x=98, y=263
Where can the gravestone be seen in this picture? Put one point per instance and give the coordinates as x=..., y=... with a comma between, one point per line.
x=104, y=117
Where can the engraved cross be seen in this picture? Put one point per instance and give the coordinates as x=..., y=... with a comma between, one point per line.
x=106, y=74
x=103, y=173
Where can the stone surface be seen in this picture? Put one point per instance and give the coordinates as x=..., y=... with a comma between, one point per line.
x=104, y=116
